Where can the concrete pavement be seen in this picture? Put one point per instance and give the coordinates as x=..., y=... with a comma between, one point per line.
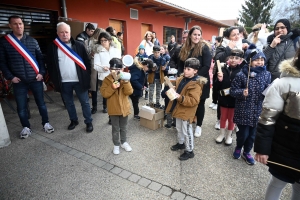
x=76, y=165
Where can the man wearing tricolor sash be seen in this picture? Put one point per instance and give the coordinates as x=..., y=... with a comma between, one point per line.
x=21, y=61
x=70, y=70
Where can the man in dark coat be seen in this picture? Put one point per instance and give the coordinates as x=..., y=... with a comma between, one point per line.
x=23, y=73
x=70, y=69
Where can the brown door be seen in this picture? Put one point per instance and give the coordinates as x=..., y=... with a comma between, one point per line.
x=144, y=29
x=116, y=24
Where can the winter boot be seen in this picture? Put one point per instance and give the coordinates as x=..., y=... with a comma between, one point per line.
x=228, y=138
x=221, y=136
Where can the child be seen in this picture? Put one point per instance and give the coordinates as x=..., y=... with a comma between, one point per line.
x=247, y=90
x=227, y=102
x=164, y=53
x=156, y=76
x=118, y=106
x=142, y=55
x=138, y=78
x=188, y=90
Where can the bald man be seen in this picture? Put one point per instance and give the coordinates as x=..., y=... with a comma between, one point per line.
x=70, y=70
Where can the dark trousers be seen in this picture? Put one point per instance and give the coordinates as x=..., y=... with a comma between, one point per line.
x=200, y=112
x=215, y=92
x=21, y=91
x=135, y=104
x=94, y=95
x=245, y=137
x=104, y=100
x=218, y=112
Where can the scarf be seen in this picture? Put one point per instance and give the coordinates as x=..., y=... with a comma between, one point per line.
x=239, y=43
x=253, y=70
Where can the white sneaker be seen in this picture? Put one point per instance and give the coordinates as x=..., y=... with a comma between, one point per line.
x=217, y=126
x=126, y=146
x=48, y=128
x=116, y=150
x=236, y=128
x=212, y=105
x=215, y=107
x=25, y=133
x=198, y=131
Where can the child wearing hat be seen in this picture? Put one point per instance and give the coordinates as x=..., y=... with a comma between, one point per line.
x=188, y=91
x=247, y=88
x=142, y=55
x=116, y=92
x=225, y=101
x=156, y=76
x=138, y=78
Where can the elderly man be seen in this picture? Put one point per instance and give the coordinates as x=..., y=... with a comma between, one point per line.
x=70, y=69
x=21, y=61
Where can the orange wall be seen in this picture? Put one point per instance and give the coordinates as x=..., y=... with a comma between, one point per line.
x=100, y=11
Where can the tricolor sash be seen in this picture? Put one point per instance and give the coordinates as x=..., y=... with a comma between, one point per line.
x=69, y=52
x=22, y=49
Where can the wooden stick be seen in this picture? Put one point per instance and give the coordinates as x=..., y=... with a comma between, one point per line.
x=219, y=66
x=168, y=82
x=275, y=163
x=248, y=77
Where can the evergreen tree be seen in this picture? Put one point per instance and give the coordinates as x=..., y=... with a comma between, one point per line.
x=256, y=11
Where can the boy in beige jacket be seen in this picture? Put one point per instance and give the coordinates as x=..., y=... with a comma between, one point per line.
x=189, y=89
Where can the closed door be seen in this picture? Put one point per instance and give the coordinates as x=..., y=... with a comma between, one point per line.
x=144, y=29
x=116, y=24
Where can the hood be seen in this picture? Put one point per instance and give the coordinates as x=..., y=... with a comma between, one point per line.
x=287, y=69
x=137, y=63
x=200, y=79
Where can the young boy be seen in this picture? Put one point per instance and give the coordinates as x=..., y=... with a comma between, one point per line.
x=138, y=78
x=142, y=56
x=247, y=90
x=183, y=108
x=118, y=106
x=156, y=77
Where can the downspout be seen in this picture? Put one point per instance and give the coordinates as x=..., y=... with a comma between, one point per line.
x=64, y=9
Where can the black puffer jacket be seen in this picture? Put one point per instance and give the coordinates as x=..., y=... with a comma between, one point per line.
x=205, y=61
x=83, y=36
x=174, y=61
x=84, y=76
x=228, y=75
x=12, y=63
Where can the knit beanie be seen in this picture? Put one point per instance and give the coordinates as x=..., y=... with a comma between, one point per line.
x=285, y=22
x=141, y=47
x=253, y=53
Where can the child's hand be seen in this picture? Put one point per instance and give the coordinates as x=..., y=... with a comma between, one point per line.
x=178, y=95
x=163, y=68
x=115, y=85
x=106, y=68
x=220, y=76
x=245, y=92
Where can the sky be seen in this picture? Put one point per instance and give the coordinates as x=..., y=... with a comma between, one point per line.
x=216, y=9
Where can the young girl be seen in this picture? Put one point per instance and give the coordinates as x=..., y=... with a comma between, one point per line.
x=247, y=88
x=164, y=53
x=227, y=102
x=118, y=106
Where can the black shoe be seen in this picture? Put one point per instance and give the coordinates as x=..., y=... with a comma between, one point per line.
x=94, y=110
x=89, y=127
x=146, y=96
x=186, y=155
x=72, y=125
x=168, y=126
x=104, y=110
x=137, y=117
x=177, y=147
x=157, y=105
x=173, y=125
x=109, y=121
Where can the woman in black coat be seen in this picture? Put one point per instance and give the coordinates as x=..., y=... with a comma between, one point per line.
x=196, y=47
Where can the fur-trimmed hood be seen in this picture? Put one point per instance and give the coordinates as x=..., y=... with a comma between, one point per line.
x=287, y=69
x=201, y=79
x=101, y=48
x=137, y=63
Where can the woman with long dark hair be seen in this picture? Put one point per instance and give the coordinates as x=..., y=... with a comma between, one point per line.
x=196, y=47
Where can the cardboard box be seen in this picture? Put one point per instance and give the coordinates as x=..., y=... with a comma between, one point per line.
x=152, y=121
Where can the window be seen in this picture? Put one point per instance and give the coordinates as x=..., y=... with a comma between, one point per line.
x=168, y=31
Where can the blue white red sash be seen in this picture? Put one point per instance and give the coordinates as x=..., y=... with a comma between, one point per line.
x=69, y=52
x=22, y=49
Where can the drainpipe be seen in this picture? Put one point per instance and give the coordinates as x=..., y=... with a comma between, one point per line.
x=187, y=21
x=64, y=9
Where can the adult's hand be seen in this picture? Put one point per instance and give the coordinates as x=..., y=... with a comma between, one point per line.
x=261, y=158
x=16, y=80
x=275, y=41
x=39, y=77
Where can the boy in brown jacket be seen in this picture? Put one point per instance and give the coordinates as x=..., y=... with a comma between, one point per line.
x=189, y=89
x=118, y=106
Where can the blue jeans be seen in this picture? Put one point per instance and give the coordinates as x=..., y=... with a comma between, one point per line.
x=20, y=93
x=245, y=137
x=67, y=94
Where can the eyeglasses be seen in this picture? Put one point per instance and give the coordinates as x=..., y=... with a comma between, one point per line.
x=280, y=27
x=103, y=41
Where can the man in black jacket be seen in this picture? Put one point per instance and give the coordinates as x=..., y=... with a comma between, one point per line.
x=21, y=62
x=89, y=31
x=70, y=69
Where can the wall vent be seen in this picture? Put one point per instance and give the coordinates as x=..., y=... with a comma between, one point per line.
x=134, y=14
